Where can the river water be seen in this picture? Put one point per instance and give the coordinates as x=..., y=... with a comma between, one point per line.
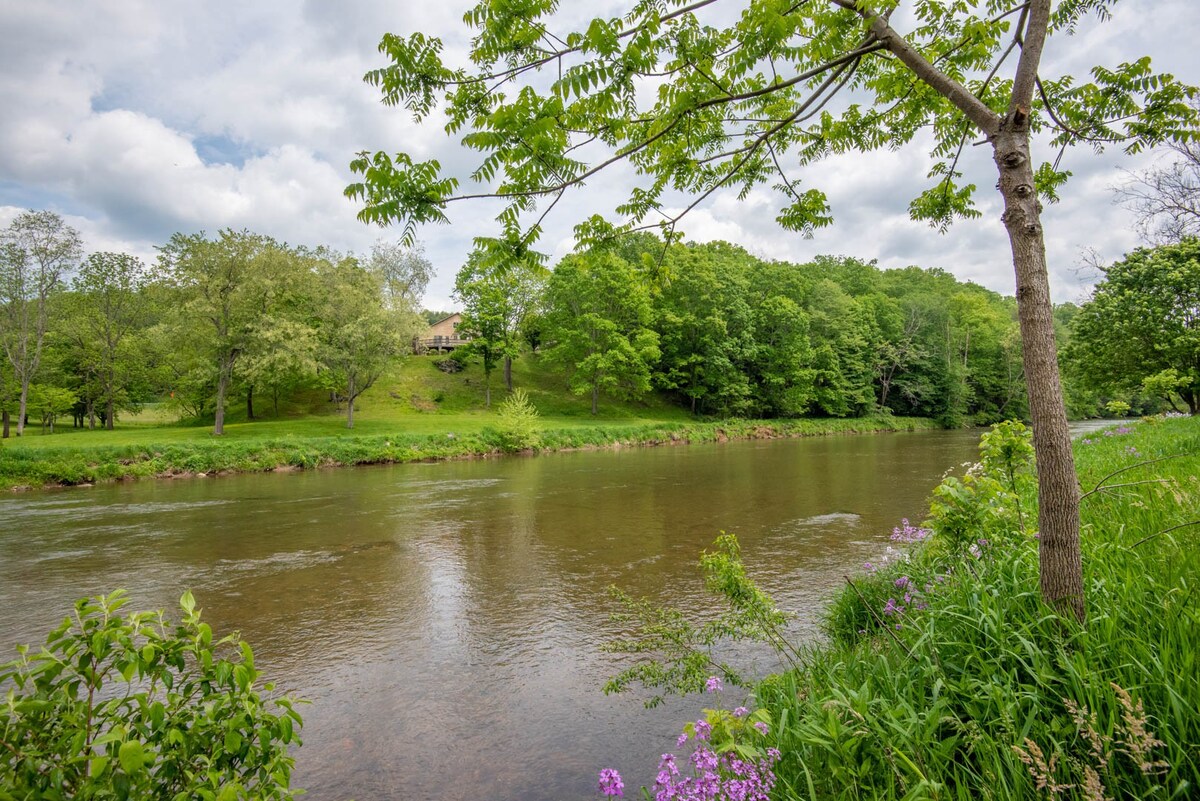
x=446, y=619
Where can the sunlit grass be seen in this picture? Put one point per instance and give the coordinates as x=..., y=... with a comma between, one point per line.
x=961, y=699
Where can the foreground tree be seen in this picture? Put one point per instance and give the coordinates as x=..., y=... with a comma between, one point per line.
x=1140, y=330
x=728, y=103
x=36, y=250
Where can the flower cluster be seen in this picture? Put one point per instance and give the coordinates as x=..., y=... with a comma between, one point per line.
x=1134, y=452
x=889, y=556
x=1118, y=431
x=716, y=777
x=610, y=783
x=912, y=598
x=728, y=761
x=908, y=534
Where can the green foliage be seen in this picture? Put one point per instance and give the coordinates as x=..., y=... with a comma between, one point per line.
x=130, y=706
x=1117, y=408
x=496, y=298
x=517, y=428
x=598, y=316
x=986, y=503
x=685, y=101
x=1138, y=332
x=674, y=654
x=985, y=692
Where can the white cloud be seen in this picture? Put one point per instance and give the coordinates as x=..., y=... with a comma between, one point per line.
x=137, y=119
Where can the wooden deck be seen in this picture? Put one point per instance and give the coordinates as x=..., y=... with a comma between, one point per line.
x=439, y=344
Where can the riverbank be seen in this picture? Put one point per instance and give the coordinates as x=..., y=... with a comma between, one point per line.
x=946, y=676
x=64, y=462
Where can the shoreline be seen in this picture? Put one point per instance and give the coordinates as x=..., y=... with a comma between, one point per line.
x=23, y=470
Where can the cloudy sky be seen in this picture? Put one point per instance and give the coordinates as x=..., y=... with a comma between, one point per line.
x=138, y=118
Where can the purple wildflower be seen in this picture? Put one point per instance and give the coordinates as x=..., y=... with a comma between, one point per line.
x=703, y=729
x=741, y=712
x=762, y=727
x=681, y=739
x=907, y=533
x=902, y=582
x=713, y=685
x=610, y=783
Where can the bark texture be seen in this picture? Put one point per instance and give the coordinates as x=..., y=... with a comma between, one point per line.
x=1059, y=559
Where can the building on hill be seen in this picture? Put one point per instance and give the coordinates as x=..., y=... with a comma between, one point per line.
x=442, y=336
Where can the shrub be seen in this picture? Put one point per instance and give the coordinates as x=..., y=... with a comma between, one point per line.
x=518, y=426
x=128, y=707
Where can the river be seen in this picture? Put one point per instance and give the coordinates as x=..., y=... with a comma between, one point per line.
x=446, y=619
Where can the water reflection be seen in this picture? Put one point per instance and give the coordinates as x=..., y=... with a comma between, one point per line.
x=446, y=619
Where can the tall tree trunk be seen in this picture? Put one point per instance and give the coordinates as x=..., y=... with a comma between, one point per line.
x=595, y=397
x=1059, y=559
x=250, y=402
x=109, y=413
x=487, y=387
x=350, y=403
x=21, y=408
x=4, y=421
x=222, y=386
x=91, y=415
x=508, y=373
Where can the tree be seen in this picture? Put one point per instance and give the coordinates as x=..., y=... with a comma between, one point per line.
x=700, y=107
x=597, y=321
x=404, y=272
x=1140, y=330
x=496, y=299
x=358, y=336
x=1166, y=197
x=108, y=309
x=705, y=330
x=217, y=278
x=36, y=249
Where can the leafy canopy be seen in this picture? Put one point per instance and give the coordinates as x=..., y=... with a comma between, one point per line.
x=703, y=96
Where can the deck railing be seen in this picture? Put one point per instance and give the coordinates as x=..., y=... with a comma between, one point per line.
x=439, y=343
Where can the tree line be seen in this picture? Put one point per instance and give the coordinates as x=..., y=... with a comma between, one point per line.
x=235, y=314
x=717, y=329
x=726, y=333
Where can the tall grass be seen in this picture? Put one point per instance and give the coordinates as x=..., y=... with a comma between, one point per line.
x=978, y=690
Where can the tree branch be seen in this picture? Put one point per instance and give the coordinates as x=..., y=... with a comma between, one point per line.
x=975, y=109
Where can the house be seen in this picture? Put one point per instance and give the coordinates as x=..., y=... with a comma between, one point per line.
x=441, y=336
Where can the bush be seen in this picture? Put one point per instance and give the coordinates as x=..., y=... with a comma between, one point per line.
x=518, y=426
x=135, y=708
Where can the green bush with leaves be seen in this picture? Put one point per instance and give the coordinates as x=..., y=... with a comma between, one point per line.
x=133, y=707
x=518, y=426
x=985, y=505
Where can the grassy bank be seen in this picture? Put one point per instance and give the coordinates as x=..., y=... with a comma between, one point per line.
x=945, y=677
x=81, y=460
x=417, y=412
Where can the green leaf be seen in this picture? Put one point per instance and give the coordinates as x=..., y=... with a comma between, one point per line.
x=132, y=756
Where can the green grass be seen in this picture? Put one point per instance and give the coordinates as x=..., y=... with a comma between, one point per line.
x=939, y=708
x=415, y=398
x=416, y=413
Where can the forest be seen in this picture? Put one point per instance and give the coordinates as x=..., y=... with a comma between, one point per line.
x=241, y=318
